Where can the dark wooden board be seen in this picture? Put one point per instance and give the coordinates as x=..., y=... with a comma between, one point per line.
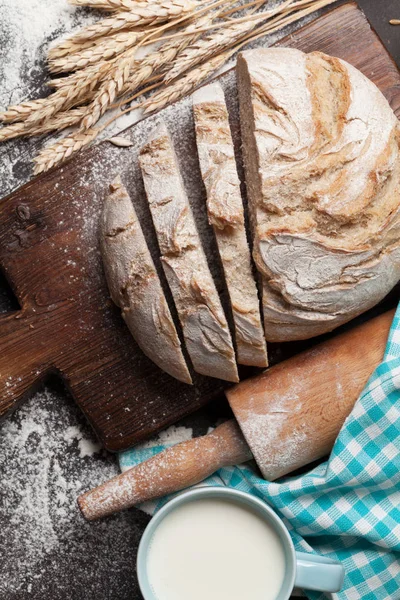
x=49, y=254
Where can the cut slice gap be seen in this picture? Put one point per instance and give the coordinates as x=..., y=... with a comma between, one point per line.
x=203, y=320
x=134, y=285
x=226, y=215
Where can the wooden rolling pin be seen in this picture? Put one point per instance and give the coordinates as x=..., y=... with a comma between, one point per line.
x=289, y=416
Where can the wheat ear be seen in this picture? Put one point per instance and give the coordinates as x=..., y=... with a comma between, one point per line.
x=22, y=111
x=206, y=47
x=162, y=57
x=57, y=123
x=151, y=14
x=185, y=85
x=67, y=47
x=220, y=40
x=112, y=5
x=73, y=92
x=109, y=89
x=56, y=153
x=69, y=96
x=94, y=73
x=103, y=49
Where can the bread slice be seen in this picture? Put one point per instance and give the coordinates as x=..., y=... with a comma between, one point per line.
x=226, y=215
x=322, y=159
x=204, y=324
x=134, y=284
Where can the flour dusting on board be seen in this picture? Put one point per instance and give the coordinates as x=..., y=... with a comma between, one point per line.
x=264, y=431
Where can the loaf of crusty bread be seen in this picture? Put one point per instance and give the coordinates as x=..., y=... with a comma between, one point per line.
x=203, y=320
x=321, y=154
x=225, y=213
x=134, y=284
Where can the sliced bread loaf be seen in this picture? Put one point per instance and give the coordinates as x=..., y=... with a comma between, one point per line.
x=225, y=213
x=204, y=324
x=134, y=284
x=322, y=160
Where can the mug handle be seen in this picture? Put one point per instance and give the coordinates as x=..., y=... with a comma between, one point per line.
x=318, y=573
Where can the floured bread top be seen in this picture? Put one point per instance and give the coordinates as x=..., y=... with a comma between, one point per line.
x=321, y=149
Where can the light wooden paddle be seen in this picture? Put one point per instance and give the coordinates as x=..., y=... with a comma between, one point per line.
x=289, y=416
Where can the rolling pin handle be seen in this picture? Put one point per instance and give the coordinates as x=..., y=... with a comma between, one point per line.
x=172, y=470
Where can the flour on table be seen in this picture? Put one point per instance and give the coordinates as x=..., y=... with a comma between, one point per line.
x=26, y=27
x=45, y=463
x=86, y=447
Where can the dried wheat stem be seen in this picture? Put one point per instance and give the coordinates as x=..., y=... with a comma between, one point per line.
x=112, y=5
x=150, y=14
x=141, y=92
x=121, y=79
x=71, y=93
x=163, y=56
x=281, y=21
x=60, y=151
x=206, y=47
x=219, y=41
x=69, y=96
x=185, y=85
x=111, y=88
x=104, y=49
x=243, y=7
x=57, y=123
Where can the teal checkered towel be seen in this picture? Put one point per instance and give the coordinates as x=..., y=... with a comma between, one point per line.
x=347, y=508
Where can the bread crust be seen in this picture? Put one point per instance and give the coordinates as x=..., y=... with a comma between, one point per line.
x=321, y=152
x=226, y=215
x=205, y=329
x=135, y=286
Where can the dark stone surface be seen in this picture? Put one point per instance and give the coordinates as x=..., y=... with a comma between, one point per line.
x=60, y=557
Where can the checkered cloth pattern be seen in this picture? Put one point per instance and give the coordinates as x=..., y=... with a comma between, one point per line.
x=347, y=508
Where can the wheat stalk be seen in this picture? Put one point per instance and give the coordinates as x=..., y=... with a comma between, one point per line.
x=60, y=151
x=75, y=90
x=93, y=73
x=103, y=49
x=57, y=123
x=20, y=112
x=164, y=55
x=66, y=47
x=109, y=89
x=113, y=5
x=206, y=47
x=69, y=96
x=125, y=79
x=122, y=79
x=185, y=85
x=150, y=14
x=103, y=57
x=225, y=37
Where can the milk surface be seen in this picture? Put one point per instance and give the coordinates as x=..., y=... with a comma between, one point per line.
x=215, y=549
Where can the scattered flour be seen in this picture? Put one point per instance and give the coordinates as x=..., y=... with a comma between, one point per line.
x=171, y=436
x=86, y=447
x=45, y=463
x=26, y=27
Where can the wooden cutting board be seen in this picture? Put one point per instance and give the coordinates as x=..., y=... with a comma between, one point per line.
x=49, y=254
